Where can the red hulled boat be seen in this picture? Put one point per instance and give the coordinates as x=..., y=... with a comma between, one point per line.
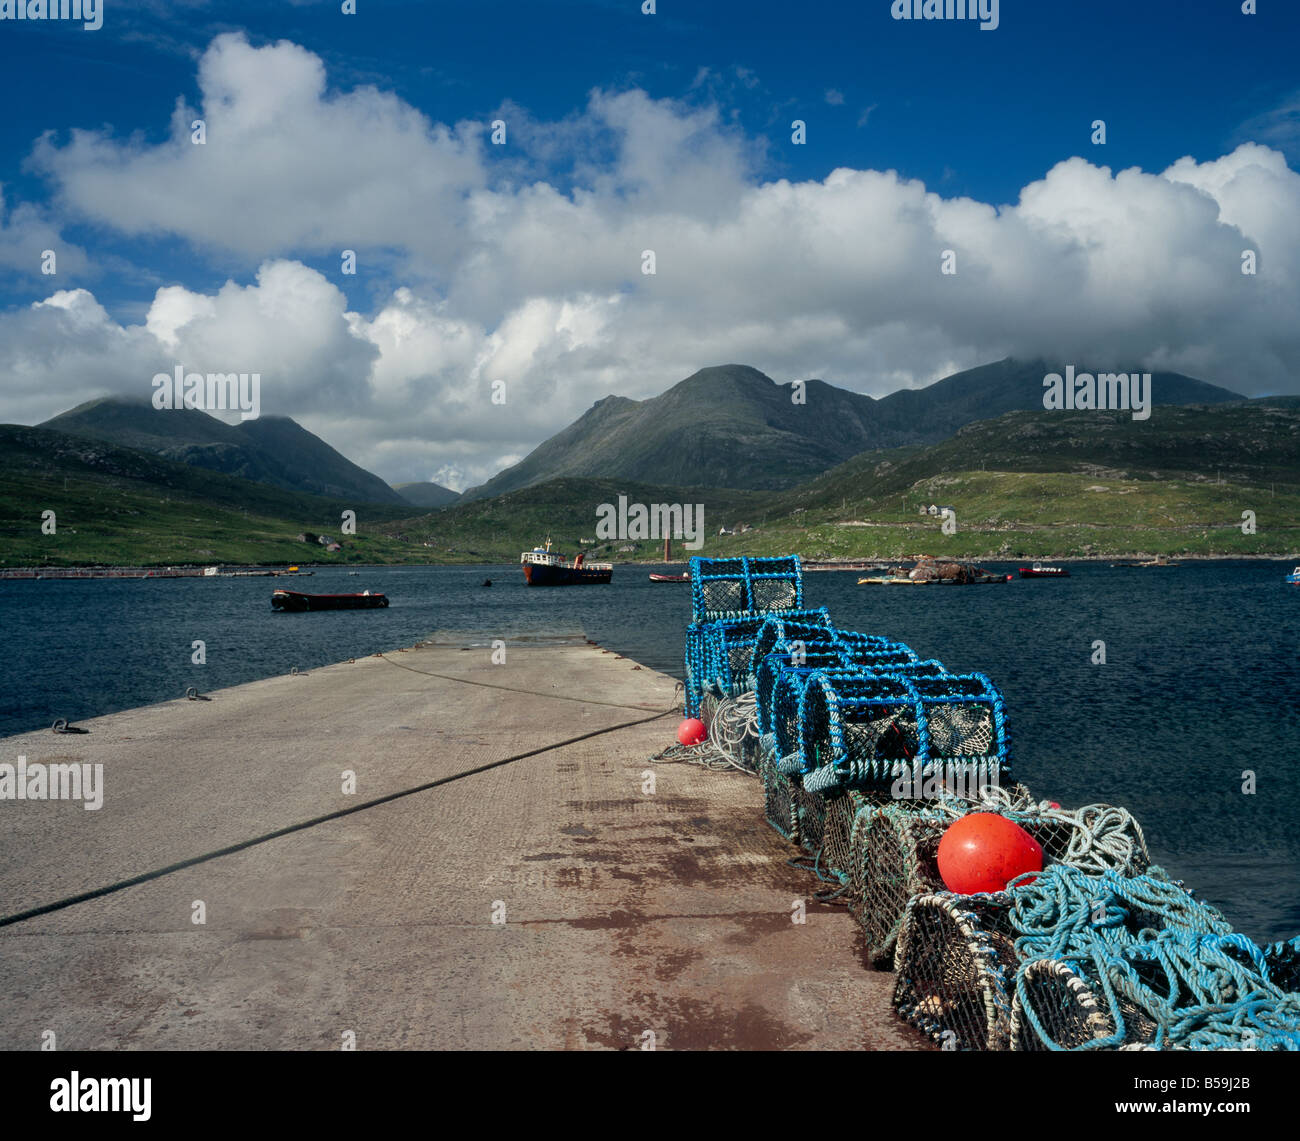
x=544, y=567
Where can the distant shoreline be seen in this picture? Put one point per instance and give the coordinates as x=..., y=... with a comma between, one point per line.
x=812, y=566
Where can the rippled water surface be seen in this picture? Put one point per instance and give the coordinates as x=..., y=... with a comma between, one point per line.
x=1200, y=682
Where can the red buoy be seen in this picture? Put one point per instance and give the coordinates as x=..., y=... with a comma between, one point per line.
x=691, y=731
x=984, y=851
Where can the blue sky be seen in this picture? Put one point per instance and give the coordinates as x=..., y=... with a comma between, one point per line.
x=970, y=114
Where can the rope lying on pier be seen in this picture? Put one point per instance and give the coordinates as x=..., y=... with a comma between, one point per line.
x=514, y=689
x=868, y=754
x=733, y=726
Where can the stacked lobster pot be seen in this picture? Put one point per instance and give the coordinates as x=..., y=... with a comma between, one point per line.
x=731, y=599
x=894, y=850
x=1071, y=961
x=867, y=755
x=889, y=734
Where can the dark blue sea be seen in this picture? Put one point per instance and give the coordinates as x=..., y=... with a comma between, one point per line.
x=1200, y=683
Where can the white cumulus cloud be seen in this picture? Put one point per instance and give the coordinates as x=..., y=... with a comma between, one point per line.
x=507, y=275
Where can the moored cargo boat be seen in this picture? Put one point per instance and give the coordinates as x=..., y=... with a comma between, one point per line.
x=544, y=567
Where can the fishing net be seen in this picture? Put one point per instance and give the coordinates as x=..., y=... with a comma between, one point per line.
x=779, y=806
x=869, y=647
x=1282, y=965
x=732, y=729
x=867, y=754
x=891, y=859
x=1094, y=839
x=895, y=851
x=698, y=668
x=730, y=658
x=787, y=693
x=812, y=817
x=836, y=856
x=774, y=593
x=954, y=956
x=784, y=629
x=1115, y=961
x=843, y=718
x=731, y=598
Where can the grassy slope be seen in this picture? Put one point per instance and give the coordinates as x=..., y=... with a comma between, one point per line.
x=566, y=511
x=1039, y=497
x=1029, y=515
x=1036, y=494
x=118, y=506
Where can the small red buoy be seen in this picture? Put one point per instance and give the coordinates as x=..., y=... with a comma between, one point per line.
x=984, y=851
x=691, y=731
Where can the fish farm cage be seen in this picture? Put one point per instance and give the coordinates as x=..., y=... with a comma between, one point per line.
x=867, y=754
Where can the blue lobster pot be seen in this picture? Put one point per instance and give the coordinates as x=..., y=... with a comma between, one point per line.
x=861, y=730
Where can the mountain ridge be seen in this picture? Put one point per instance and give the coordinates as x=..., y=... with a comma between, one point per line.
x=274, y=450
x=732, y=426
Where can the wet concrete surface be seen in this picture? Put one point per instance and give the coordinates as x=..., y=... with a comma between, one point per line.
x=580, y=898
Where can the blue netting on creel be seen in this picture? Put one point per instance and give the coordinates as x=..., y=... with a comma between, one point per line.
x=783, y=714
x=864, y=730
x=864, y=646
x=931, y=667
x=731, y=598
x=725, y=650
x=731, y=588
x=812, y=656
x=787, y=629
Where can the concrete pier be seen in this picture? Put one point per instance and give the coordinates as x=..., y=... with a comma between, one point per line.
x=552, y=902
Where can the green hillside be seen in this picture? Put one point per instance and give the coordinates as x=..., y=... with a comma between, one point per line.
x=566, y=510
x=1023, y=485
x=1060, y=483
x=116, y=506
x=271, y=449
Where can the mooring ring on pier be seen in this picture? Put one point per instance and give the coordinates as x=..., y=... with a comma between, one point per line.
x=192, y=692
x=293, y=672
x=60, y=725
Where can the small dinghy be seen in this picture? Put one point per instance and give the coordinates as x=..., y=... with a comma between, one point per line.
x=293, y=600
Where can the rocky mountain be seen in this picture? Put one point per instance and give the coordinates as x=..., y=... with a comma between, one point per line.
x=732, y=426
x=275, y=450
x=429, y=495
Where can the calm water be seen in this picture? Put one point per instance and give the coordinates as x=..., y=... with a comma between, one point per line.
x=1201, y=680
